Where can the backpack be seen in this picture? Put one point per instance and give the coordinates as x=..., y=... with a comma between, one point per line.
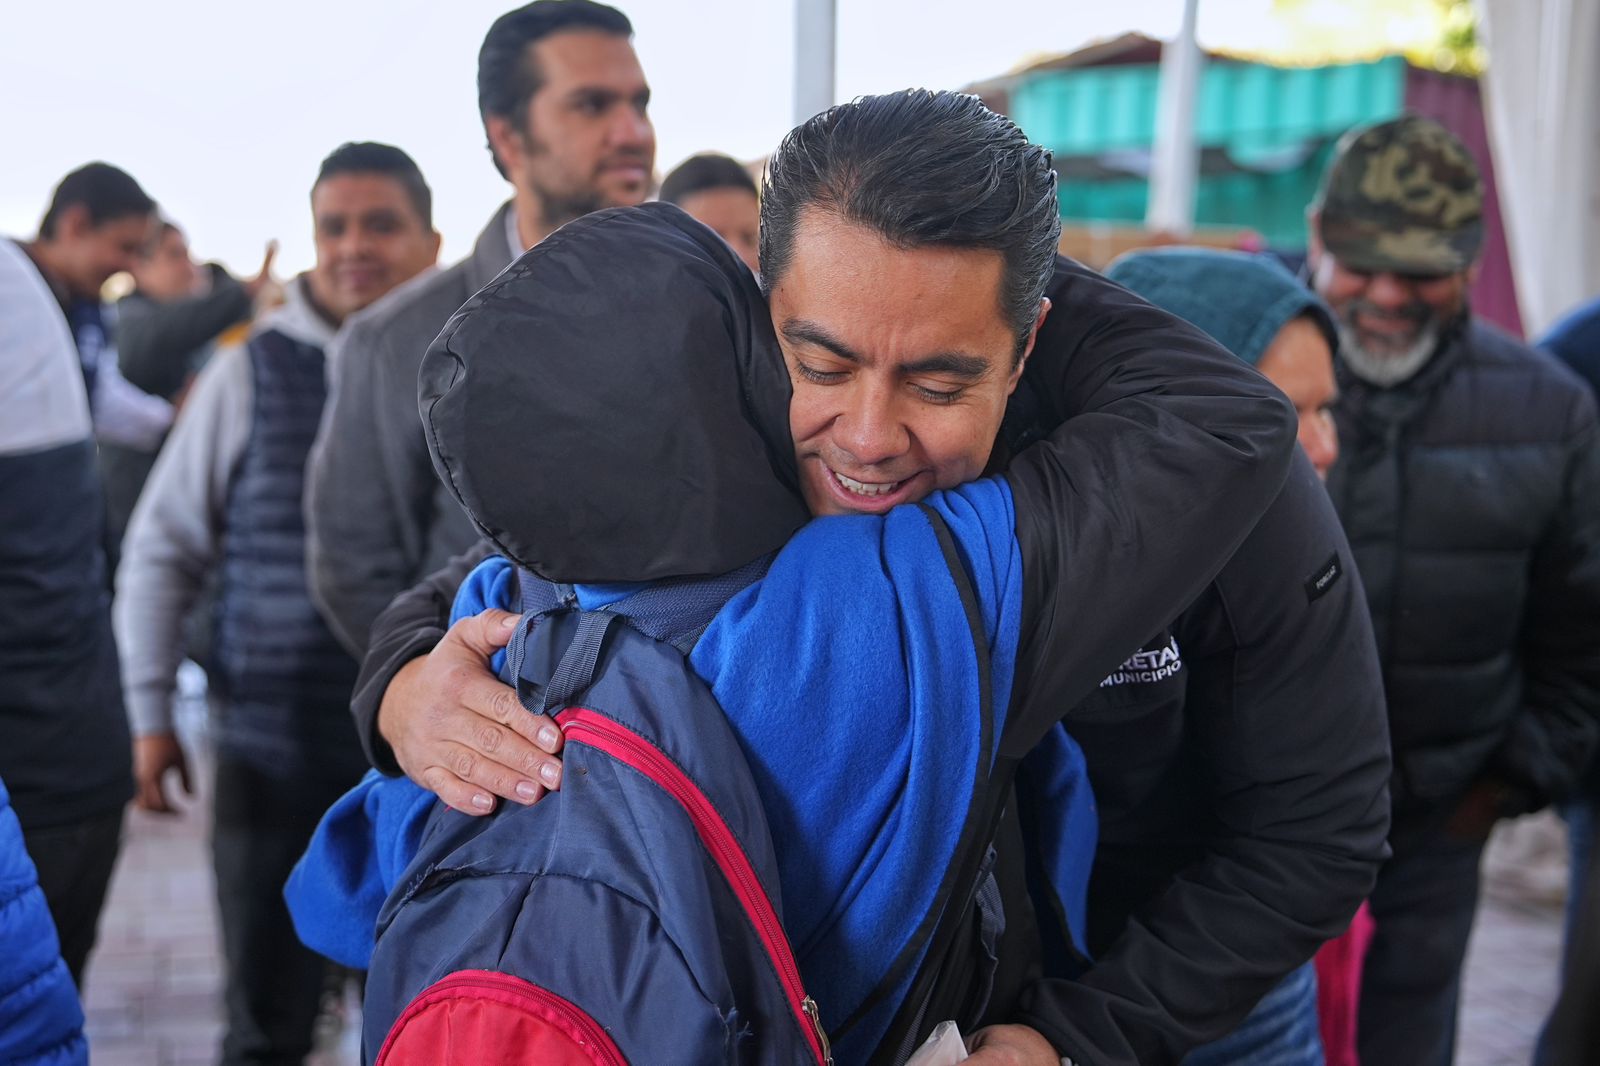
x=631, y=917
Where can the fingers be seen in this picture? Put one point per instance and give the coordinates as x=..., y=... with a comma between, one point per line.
x=153, y=756
x=266, y=260
x=486, y=696
x=182, y=767
x=482, y=780
x=483, y=634
x=458, y=731
x=471, y=734
x=151, y=797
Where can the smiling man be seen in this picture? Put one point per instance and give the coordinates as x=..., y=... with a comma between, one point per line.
x=1469, y=485
x=225, y=498
x=906, y=308
x=564, y=105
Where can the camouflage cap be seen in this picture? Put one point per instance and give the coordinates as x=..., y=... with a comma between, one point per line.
x=1403, y=195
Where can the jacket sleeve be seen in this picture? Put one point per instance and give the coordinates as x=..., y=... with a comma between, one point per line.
x=1166, y=451
x=407, y=628
x=155, y=340
x=356, y=553
x=1293, y=737
x=1553, y=741
x=175, y=537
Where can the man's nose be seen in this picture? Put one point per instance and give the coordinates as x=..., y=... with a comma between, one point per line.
x=355, y=241
x=1320, y=439
x=868, y=430
x=631, y=128
x=1389, y=291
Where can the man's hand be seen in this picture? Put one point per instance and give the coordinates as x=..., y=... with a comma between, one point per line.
x=1475, y=817
x=461, y=734
x=255, y=286
x=153, y=756
x=1010, y=1045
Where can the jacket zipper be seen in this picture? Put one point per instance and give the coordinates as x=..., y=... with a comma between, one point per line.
x=599, y=1043
x=621, y=743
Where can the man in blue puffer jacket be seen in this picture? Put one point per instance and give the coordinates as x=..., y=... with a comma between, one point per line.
x=41, y=1022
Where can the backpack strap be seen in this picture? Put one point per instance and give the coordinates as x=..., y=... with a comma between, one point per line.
x=964, y=879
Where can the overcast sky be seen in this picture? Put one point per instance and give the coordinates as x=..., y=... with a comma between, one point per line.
x=223, y=110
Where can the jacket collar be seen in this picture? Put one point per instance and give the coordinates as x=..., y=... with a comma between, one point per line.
x=296, y=318
x=492, y=253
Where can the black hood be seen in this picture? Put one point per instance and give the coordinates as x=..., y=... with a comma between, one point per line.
x=614, y=407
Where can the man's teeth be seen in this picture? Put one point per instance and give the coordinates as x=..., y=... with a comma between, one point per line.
x=866, y=488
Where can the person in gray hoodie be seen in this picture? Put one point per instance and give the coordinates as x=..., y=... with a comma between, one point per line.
x=225, y=498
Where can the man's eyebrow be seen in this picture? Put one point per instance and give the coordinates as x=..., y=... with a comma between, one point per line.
x=802, y=331
x=599, y=94
x=955, y=364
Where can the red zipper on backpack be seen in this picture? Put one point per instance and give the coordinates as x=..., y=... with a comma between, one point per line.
x=500, y=986
x=603, y=734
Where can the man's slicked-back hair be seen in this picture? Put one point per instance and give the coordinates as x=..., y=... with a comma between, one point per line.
x=703, y=172
x=921, y=168
x=370, y=157
x=507, y=74
x=105, y=192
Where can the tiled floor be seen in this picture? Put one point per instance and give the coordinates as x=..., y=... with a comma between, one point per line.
x=152, y=995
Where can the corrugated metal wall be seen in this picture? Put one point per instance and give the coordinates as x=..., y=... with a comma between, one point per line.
x=1265, y=118
x=1275, y=127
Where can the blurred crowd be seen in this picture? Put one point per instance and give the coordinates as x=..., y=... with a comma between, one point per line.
x=1294, y=777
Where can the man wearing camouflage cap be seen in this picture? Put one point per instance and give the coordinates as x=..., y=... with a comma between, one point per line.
x=1469, y=486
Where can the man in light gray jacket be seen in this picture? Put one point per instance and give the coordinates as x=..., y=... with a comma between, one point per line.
x=563, y=102
x=225, y=499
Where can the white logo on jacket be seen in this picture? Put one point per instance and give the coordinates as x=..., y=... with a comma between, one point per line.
x=1148, y=665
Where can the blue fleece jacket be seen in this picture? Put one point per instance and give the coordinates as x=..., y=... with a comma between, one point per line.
x=849, y=676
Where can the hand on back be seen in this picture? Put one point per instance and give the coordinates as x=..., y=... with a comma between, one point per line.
x=461, y=734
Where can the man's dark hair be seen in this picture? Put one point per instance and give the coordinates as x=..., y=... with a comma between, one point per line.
x=708, y=170
x=105, y=192
x=370, y=157
x=921, y=168
x=507, y=74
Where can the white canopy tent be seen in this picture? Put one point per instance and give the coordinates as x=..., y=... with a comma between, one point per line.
x=1542, y=92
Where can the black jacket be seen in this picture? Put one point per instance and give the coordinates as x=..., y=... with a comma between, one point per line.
x=1471, y=497
x=1086, y=494
x=1239, y=763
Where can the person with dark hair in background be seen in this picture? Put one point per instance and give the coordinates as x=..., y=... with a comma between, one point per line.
x=226, y=496
x=717, y=191
x=99, y=223
x=1469, y=485
x=564, y=105
x=165, y=330
x=65, y=754
x=884, y=271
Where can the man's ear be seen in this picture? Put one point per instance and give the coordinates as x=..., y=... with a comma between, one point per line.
x=1027, y=350
x=504, y=140
x=434, y=240
x=73, y=221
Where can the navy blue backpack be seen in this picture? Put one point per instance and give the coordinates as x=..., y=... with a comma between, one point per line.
x=631, y=917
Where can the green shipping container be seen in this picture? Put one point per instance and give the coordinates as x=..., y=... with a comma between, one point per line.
x=1265, y=134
